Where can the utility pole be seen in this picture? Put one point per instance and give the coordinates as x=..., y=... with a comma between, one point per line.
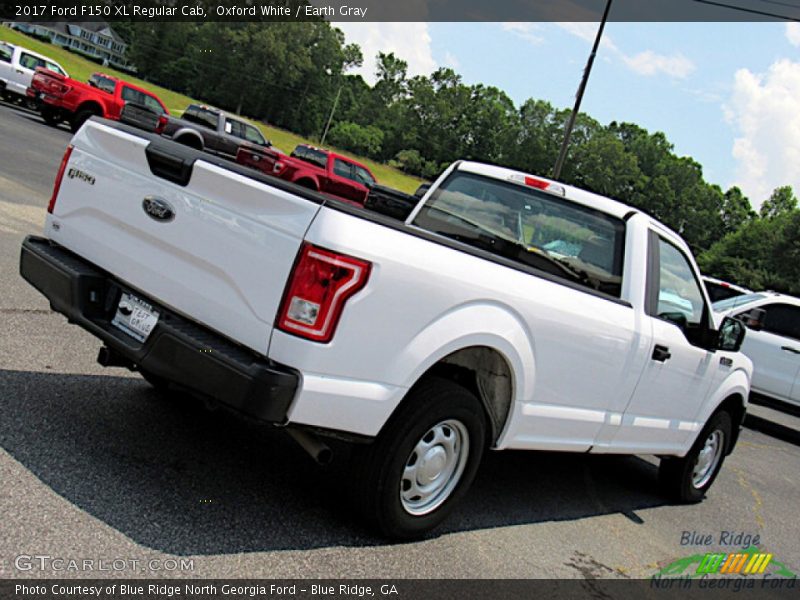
x=562, y=155
x=330, y=117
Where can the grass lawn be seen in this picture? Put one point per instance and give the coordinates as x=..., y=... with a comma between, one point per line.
x=81, y=68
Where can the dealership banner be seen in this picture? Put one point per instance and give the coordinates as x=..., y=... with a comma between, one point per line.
x=405, y=10
x=707, y=588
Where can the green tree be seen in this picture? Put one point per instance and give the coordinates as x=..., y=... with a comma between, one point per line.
x=781, y=201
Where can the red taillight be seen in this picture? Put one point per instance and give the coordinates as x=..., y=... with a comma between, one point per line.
x=162, y=124
x=320, y=284
x=59, y=177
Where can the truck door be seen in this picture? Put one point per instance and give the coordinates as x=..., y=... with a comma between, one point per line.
x=679, y=371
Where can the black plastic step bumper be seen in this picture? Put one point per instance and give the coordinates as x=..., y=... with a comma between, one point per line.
x=177, y=349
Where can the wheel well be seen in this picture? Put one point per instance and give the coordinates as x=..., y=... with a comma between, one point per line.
x=485, y=373
x=734, y=406
x=92, y=106
x=192, y=140
x=307, y=183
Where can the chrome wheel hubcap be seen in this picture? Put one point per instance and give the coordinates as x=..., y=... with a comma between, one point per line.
x=434, y=467
x=708, y=459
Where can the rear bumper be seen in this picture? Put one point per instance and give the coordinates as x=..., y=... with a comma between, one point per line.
x=177, y=349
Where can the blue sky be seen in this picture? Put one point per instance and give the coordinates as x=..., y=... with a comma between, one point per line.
x=727, y=94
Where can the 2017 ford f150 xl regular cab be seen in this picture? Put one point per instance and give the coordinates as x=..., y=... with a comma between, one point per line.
x=506, y=311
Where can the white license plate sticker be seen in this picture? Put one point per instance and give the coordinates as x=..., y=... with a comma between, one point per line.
x=135, y=317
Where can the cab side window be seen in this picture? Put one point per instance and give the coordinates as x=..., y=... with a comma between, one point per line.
x=782, y=319
x=30, y=62
x=678, y=290
x=252, y=134
x=342, y=169
x=674, y=292
x=6, y=52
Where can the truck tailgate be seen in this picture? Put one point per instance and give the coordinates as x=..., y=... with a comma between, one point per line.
x=218, y=249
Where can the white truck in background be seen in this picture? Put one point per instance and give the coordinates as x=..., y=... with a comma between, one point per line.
x=506, y=311
x=17, y=66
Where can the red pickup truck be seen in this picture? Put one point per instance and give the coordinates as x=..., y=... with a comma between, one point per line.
x=66, y=99
x=314, y=168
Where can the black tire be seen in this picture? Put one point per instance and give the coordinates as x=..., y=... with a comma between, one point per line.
x=677, y=475
x=79, y=118
x=436, y=409
x=50, y=116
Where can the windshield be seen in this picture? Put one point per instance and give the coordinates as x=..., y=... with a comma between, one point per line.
x=729, y=303
x=531, y=227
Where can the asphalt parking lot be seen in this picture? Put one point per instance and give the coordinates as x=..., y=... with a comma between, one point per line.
x=94, y=465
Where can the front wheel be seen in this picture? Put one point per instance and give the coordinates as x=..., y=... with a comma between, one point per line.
x=687, y=479
x=423, y=461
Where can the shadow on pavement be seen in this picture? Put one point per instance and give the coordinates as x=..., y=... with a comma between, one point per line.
x=772, y=429
x=181, y=480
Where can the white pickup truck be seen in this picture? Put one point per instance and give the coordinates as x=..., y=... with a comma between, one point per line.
x=507, y=311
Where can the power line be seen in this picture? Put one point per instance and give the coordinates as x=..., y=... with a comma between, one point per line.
x=752, y=11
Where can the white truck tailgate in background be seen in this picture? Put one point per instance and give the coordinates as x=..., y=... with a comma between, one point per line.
x=223, y=260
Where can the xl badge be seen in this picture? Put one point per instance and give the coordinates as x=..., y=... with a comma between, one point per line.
x=158, y=209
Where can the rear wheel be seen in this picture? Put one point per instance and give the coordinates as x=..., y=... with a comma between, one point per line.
x=80, y=118
x=423, y=461
x=50, y=116
x=687, y=479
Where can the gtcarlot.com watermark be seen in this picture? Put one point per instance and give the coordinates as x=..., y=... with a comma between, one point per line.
x=41, y=563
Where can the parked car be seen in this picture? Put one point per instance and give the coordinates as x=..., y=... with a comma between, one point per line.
x=66, y=99
x=423, y=342
x=17, y=66
x=211, y=129
x=774, y=347
x=314, y=168
x=720, y=290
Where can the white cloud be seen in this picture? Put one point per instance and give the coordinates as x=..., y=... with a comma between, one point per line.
x=765, y=110
x=526, y=31
x=646, y=63
x=793, y=33
x=409, y=41
x=650, y=63
x=451, y=60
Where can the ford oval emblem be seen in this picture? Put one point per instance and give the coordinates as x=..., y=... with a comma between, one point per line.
x=158, y=209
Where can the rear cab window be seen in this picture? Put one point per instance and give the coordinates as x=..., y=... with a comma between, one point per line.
x=201, y=116
x=543, y=231
x=54, y=67
x=103, y=83
x=311, y=155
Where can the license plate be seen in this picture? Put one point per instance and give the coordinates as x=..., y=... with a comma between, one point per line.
x=135, y=317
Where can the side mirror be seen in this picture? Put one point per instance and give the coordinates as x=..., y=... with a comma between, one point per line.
x=754, y=319
x=731, y=334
